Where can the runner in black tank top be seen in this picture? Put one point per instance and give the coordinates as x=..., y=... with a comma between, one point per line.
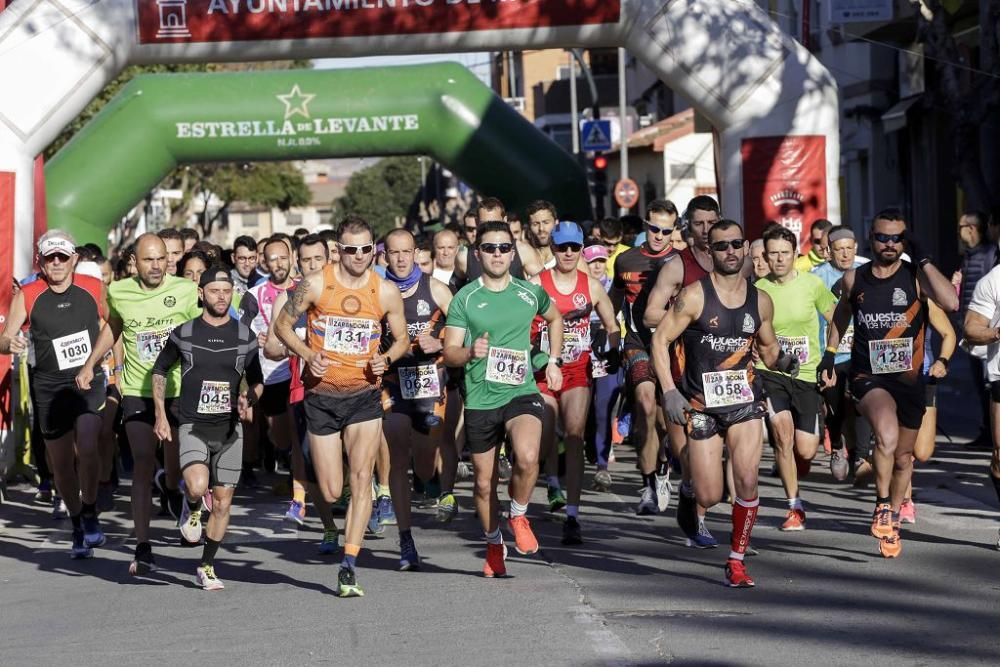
x=719, y=320
x=886, y=298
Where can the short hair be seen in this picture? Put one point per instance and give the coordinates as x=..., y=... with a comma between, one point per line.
x=313, y=239
x=702, y=203
x=610, y=227
x=723, y=225
x=188, y=233
x=756, y=243
x=540, y=205
x=354, y=224
x=822, y=224
x=981, y=217
x=491, y=204
x=193, y=254
x=471, y=213
x=891, y=214
x=425, y=245
x=399, y=231
x=275, y=238
x=632, y=224
x=86, y=253
x=777, y=233
x=328, y=235
x=301, y=231
x=213, y=251
x=661, y=206
x=247, y=242
x=456, y=228
x=485, y=228
x=170, y=234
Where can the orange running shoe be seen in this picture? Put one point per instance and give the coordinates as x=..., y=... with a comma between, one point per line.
x=882, y=521
x=494, y=566
x=891, y=546
x=524, y=540
x=794, y=520
x=736, y=575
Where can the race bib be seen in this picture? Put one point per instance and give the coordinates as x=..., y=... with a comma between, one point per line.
x=797, y=346
x=599, y=369
x=726, y=388
x=347, y=335
x=72, y=350
x=846, y=341
x=506, y=366
x=573, y=347
x=419, y=382
x=214, y=398
x=149, y=343
x=891, y=356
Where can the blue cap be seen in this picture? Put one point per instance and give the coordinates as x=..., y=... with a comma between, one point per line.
x=567, y=232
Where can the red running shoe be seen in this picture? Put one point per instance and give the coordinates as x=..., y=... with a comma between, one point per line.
x=494, y=566
x=524, y=539
x=736, y=575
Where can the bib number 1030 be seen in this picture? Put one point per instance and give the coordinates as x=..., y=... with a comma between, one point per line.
x=72, y=350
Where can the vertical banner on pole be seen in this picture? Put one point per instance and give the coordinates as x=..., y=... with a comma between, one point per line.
x=784, y=180
x=41, y=215
x=6, y=291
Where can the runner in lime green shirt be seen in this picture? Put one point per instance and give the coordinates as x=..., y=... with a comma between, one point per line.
x=794, y=404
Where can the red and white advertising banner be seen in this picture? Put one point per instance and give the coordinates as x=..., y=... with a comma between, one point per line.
x=191, y=21
x=6, y=286
x=784, y=180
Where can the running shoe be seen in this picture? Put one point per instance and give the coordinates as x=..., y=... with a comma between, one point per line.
x=602, y=480
x=142, y=563
x=80, y=549
x=687, y=515
x=571, y=531
x=44, y=492
x=838, y=464
x=93, y=536
x=59, y=509
x=347, y=584
x=524, y=539
x=190, y=525
x=664, y=489
x=702, y=539
x=374, y=527
x=736, y=575
x=105, y=497
x=495, y=566
x=891, y=546
x=505, y=469
x=330, y=542
x=647, y=502
x=386, y=512
x=794, y=520
x=207, y=579
x=882, y=521
x=908, y=512
x=557, y=499
x=447, y=508
x=408, y=557
x=296, y=512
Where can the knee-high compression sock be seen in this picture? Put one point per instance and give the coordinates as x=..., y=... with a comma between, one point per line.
x=744, y=517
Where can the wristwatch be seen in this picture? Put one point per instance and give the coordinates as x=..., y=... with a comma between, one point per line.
x=557, y=361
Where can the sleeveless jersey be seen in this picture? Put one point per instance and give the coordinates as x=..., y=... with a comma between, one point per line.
x=63, y=326
x=635, y=273
x=716, y=356
x=576, y=308
x=422, y=316
x=256, y=308
x=889, y=324
x=345, y=324
x=693, y=272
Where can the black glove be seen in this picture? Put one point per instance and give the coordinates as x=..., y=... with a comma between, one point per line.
x=676, y=407
x=613, y=359
x=826, y=365
x=918, y=255
x=787, y=363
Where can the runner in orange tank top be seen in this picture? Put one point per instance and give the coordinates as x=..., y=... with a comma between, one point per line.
x=344, y=307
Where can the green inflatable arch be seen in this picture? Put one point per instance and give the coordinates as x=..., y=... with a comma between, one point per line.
x=157, y=122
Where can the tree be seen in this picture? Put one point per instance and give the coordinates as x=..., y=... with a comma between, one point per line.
x=383, y=193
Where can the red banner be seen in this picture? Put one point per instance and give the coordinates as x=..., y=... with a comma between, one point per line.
x=190, y=21
x=6, y=285
x=784, y=180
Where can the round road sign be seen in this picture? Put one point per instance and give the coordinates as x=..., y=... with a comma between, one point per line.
x=626, y=193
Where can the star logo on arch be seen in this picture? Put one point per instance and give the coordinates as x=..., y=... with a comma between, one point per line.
x=296, y=102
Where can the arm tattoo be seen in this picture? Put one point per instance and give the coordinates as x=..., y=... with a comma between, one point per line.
x=159, y=386
x=296, y=303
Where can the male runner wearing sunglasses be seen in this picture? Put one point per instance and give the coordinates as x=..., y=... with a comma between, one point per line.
x=887, y=298
x=345, y=306
x=576, y=295
x=635, y=275
x=488, y=333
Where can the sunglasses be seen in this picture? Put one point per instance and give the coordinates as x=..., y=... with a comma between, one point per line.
x=492, y=248
x=722, y=246
x=653, y=229
x=356, y=249
x=571, y=247
x=888, y=238
x=54, y=256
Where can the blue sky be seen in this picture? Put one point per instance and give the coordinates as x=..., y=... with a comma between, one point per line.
x=478, y=63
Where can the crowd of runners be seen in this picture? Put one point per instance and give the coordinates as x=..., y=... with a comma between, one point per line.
x=380, y=371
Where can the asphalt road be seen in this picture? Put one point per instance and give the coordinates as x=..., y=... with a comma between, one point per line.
x=633, y=594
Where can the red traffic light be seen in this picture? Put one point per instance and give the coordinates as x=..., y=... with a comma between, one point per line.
x=600, y=162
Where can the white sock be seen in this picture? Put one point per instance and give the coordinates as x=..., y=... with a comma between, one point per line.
x=517, y=509
x=573, y=510
x=795, y=503
x=496, y=537
x=735, y=556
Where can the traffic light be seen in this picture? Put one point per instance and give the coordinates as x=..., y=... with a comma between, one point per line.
x=599, y=184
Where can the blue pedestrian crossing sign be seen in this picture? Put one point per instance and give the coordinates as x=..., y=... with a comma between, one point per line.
x=596, y=135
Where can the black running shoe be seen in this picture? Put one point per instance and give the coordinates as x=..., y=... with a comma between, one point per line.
x=143, y=562
x=571, y=531
x=347, y=584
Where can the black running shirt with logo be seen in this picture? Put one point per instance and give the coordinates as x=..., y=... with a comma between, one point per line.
x=64, y=325
x=889, y=323
x=635, y=276
x=716, y=355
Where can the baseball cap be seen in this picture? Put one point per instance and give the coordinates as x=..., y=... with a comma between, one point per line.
x=594, y=252
x=56, y=244
x=215, y=275
x=567, y=232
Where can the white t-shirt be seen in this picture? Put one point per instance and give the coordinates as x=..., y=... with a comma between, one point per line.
x=986, y=302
